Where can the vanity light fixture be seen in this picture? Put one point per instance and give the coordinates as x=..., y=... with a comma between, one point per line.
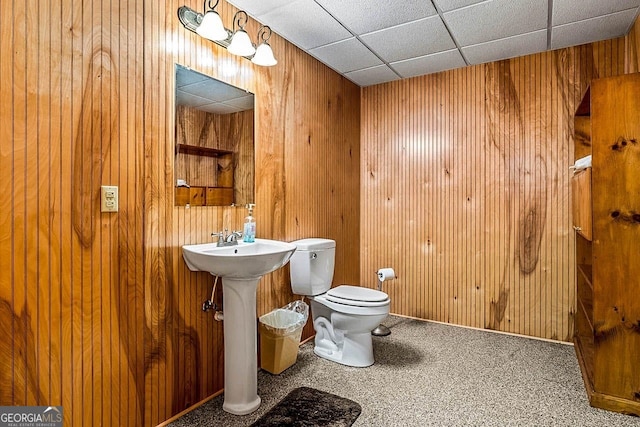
x=209, y=25
x=264, y=53
x=240, y=42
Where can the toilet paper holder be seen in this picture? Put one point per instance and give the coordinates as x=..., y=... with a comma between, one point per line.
x=383, y=275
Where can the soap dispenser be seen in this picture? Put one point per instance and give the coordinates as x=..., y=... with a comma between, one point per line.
x=249, y=232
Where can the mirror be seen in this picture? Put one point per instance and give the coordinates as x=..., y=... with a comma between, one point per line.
x=214, y=140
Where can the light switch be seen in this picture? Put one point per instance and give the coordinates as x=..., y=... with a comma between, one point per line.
x=108, y=198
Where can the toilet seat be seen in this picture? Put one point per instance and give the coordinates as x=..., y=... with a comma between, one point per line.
x=357, y=296
x=372, y=302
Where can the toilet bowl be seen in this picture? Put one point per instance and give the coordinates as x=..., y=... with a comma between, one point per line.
x=343, y=317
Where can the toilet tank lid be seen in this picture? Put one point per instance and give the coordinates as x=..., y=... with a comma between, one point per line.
x=314, y=244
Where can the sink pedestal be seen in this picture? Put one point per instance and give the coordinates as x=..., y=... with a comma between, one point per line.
x=240, y=346
x=240, y=266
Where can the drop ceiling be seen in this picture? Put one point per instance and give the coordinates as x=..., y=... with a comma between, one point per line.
x=204, y=93
x=372, y=41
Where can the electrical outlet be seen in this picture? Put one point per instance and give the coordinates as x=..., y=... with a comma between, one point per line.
x=108, y=198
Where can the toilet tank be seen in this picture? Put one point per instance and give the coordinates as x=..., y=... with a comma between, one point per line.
x=311, y=266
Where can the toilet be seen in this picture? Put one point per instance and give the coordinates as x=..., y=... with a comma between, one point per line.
x=343, y=317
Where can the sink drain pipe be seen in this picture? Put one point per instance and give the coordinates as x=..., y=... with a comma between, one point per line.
x=210, y=304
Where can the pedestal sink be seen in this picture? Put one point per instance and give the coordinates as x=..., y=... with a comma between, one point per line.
x=240, y=268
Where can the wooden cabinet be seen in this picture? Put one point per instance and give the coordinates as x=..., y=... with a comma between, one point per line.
x=607, y=211
x=220, y=195
x=581, y=188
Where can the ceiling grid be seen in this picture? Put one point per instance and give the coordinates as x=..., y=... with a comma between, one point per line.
x=372, y=42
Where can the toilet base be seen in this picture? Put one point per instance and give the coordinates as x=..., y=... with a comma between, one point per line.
x=355, y=350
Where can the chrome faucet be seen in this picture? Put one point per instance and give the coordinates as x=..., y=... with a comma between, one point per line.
x=225, y=239
x=233, y=237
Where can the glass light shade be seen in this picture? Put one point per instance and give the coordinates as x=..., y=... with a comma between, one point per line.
x=241, y=44
x=211, y=27
x=264, y=56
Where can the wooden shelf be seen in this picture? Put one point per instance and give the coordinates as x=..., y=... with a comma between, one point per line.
x=605, y=344
x=201, y=151
x=584, y=352
x=586, y=271
x=582, y=205
x=586, y=306
x=584, y=109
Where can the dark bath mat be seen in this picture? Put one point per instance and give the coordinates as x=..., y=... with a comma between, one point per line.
x=309, y=407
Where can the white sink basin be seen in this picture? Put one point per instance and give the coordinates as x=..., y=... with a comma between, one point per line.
x=246, y=260
x=241, y=268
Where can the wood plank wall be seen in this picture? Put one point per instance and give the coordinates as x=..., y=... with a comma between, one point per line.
x=232, y=132
x=307, y=119
x=101, y=314
x=71, y=290
x=632, y=49
x=465, y=189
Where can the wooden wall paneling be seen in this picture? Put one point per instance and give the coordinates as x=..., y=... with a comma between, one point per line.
x=52, y=329
x=274, y=114
x=7, y=353
x=7, y=312
x=523, y=244
x=194, y=127
x=18, y=250
x=50, y=226
x=232, y=132
x=105, y=319
x=41, y=290
x=568, y=86
x=25, y=213
x=66, y=259
x=135, y=313
x=275, y=127
x=167, y=339
x=243, y=175
x=632, y=47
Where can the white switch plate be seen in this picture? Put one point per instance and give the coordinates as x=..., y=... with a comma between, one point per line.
x=108, y=198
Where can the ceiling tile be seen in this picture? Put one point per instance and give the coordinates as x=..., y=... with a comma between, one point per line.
x=429, y=64
x=346, y=55
x=418, y=38
x=590, y=30
x=213, y=89
x=365, y=16
x=242, y=103
x=372, y=76
x=447, y=5
x=305, y=24
x=257, y=7
x=218, y=108
x=186, y=76
x=510, y=47
x=190, y=100
x=496, y=19
x=565, y=11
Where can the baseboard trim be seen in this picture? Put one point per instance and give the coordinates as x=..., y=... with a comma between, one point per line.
x=190, y=408
x=485, y=330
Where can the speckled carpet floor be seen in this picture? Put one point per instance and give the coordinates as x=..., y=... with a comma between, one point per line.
x=429, y=374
